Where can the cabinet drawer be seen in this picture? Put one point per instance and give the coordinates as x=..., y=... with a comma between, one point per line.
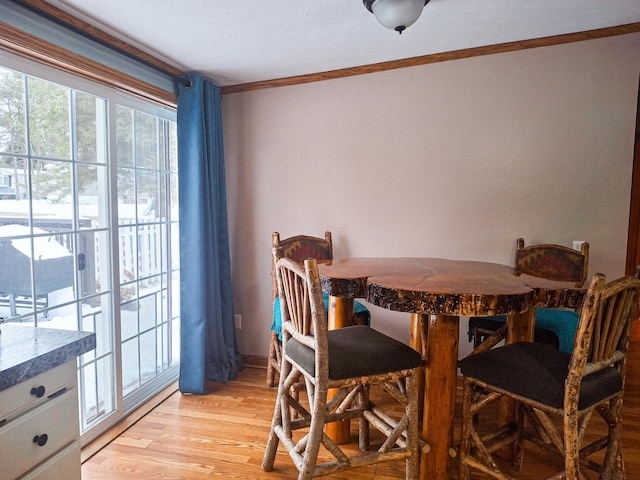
x=57, y=418
x=20, y=398
x=64, y=465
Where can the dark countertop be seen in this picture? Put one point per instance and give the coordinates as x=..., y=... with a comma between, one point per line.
x=27, y=351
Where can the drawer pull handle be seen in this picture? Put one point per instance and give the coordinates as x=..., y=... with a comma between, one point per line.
x=41, y=440
x=38, y=391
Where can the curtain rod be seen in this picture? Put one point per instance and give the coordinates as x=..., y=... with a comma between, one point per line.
x=80, y=27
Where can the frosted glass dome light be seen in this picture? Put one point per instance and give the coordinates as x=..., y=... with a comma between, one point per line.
x=396, y=14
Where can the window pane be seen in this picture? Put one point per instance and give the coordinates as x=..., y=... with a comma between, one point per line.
x=148, y=356
x=162, y=241
x=130, y=366
x=149, y=297
x=94, y=320
x=175, y=247
x=148, y=194
x=124, y=136
x=16, y=291
x=149, y=244
x=90, y=128
x=173, y=147
x=53, y=267
x=162, y=300
x=13, y=136
x=49, y=127
x=96, y=399
x=106, y=390
x=90, y=264
x=146, y=140
x=89, y=403
x=13, y=183
x=126, y=195
x=129, y=311
x=173, y=196
x=162, y=337
x=128, y=245
x=92, y=188
x=52, y=181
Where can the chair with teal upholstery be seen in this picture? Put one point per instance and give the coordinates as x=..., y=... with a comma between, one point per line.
x=298, y=248
x=348, y=362
x=555, y=394
x=554, y=327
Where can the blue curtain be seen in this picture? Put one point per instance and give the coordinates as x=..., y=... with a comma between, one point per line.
x=208, y=344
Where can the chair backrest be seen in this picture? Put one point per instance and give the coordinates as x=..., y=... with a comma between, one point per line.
x=604, y=329
x=301, y=247
x=553, y=262
x=303, y=314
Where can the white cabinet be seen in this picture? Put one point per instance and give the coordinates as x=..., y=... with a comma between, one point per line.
x=39, y=427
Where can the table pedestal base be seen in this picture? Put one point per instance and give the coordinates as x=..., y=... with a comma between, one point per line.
x=440, y=395
x=340, y=315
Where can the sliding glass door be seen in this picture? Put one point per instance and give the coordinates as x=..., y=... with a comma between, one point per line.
x=89, y=229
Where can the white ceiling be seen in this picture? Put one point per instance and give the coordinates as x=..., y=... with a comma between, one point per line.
x=242, y=41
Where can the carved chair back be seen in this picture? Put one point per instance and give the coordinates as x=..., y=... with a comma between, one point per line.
x=553, y=262
x=301, y=247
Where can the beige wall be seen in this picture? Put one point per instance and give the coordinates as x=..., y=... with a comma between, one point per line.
x=454, y=160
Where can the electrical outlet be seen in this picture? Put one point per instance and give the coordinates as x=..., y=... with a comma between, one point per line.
x=238, y=321
x=577, y=244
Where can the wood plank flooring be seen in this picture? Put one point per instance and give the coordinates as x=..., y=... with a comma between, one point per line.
x=223, y=435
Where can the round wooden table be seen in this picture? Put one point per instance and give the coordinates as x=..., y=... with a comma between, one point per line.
x=437, y=292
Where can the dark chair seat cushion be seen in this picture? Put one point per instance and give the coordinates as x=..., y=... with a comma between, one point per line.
x=534, y=371
x=357, y=351
x=361, y=313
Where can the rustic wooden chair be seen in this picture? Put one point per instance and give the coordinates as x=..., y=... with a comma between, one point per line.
x=299, y=248
x=554, y=327
x=349, y=360
x=550, y=384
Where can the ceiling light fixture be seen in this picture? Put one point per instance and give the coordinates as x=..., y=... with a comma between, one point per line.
x=396, y=14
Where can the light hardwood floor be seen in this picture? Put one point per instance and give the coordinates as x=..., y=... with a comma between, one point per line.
x=223, y=434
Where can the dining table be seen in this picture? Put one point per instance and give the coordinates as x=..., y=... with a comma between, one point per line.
x=436, y=292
